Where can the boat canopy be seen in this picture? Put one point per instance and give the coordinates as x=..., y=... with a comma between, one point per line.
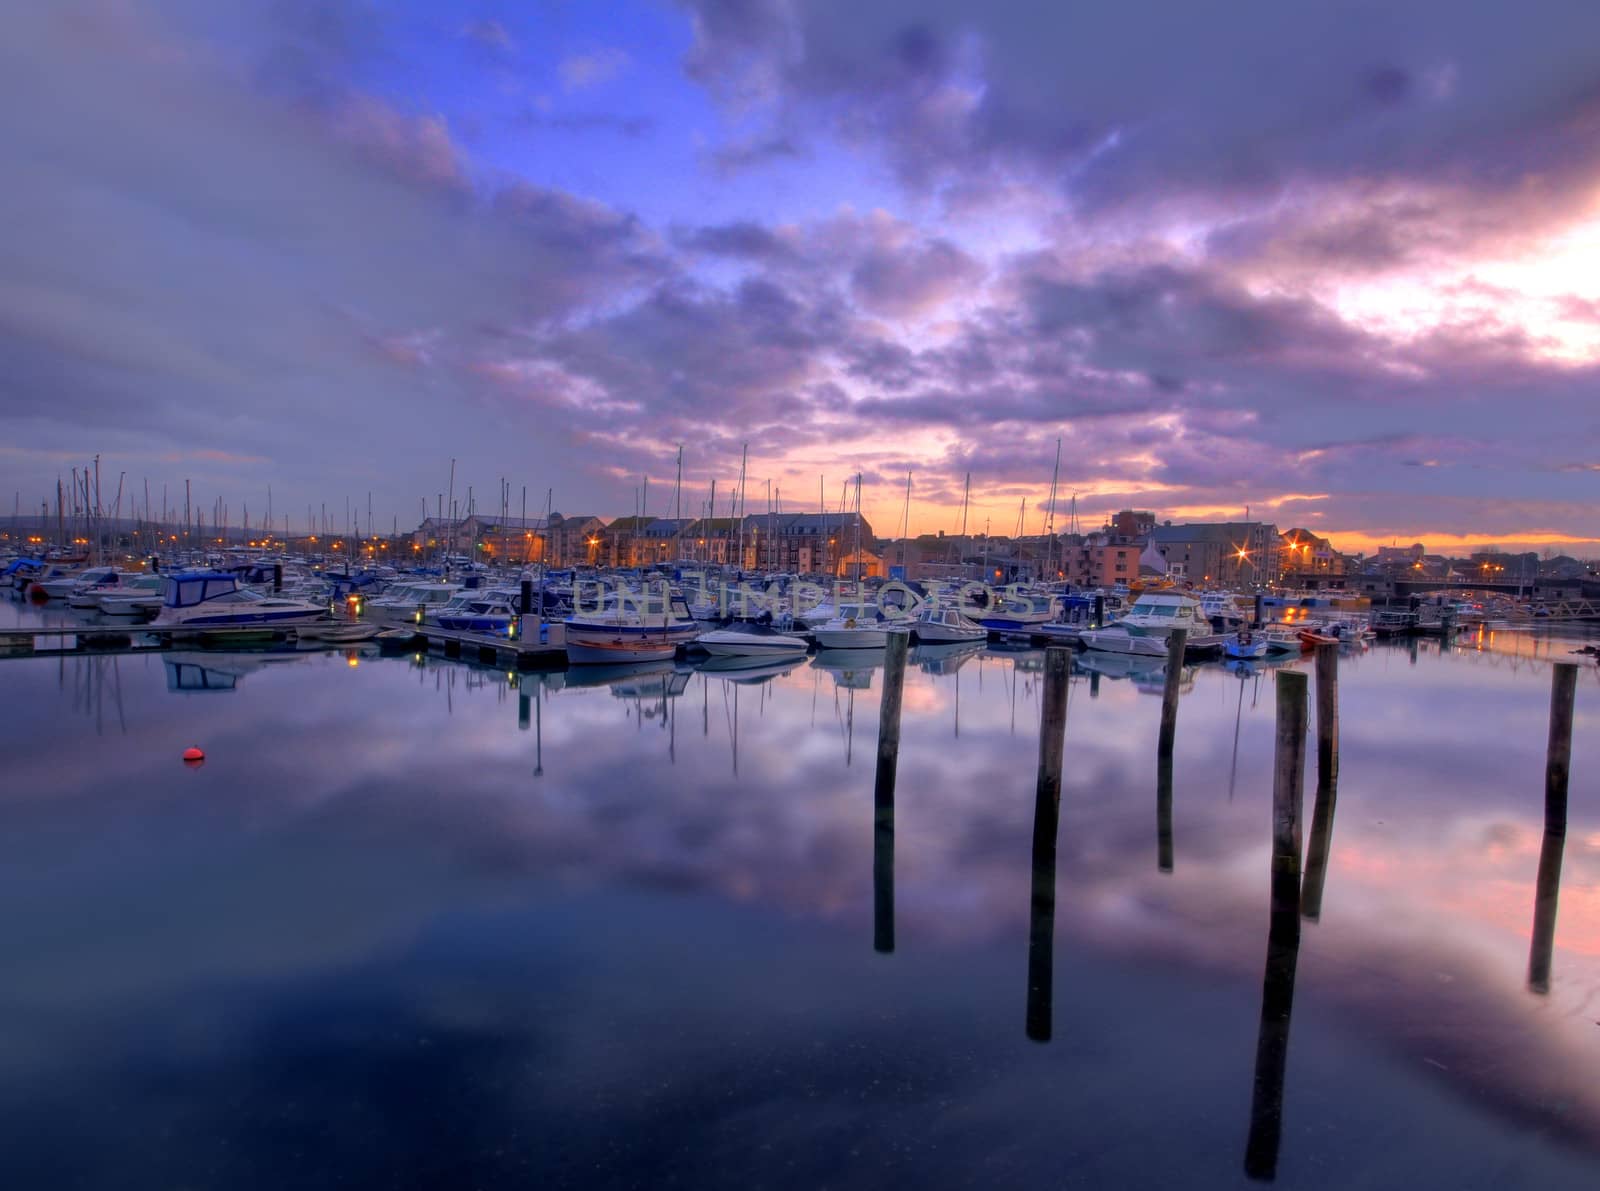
x=194, y=587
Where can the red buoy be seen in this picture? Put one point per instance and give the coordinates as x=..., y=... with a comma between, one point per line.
x=193, y=758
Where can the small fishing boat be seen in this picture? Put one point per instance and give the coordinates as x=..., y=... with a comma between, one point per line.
x=635, y=629
x=1244, y=645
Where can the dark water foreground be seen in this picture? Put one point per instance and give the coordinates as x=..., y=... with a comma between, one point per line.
x=415, y=925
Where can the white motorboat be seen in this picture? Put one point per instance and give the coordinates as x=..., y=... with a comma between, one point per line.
x=945, y=626
x=87, y=593
x=1145, y=626
x=140, y=596
x=61, y=587
x=847, y=632
x=212, y=600
x=845, y=609
x=751, y=642
x=1117, y=639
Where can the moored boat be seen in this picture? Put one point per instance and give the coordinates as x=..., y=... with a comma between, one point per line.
x=945, y=626
x=752, y=641
x=210, y=600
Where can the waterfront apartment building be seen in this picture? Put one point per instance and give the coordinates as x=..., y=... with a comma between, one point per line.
x=804, y=543
x=1232, y=554
x=1302, y=552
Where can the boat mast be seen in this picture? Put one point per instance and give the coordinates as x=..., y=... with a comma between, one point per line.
x=1050, y=516
x=905, y=526
x=738, y=501
x=966, y=497
x=858, y=533
x=822, y=539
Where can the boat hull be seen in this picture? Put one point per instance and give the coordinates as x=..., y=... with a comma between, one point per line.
x=943, y=634
x=851, y=638
x=588, y=651
x=753, y=646
x=1120, y=641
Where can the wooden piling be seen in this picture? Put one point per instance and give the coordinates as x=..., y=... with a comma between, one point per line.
x=1327, y=713
x=1283, y=935
x=1046, y=818
x=1288, y=777
x=1177, y=640
x=1558, y=753
x=1099, y=611
x=1557, y=768
x=894, y=677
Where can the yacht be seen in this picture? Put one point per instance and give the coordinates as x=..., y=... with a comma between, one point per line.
x=211, y=600
x=1145, y=627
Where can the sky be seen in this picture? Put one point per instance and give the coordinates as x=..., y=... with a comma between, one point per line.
x=1336, y=266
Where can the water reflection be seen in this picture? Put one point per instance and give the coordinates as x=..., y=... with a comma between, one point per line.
x=685, y=929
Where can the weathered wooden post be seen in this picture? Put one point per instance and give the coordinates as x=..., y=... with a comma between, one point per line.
x=1557, y=767
x=1320, y=842
x=1099, y=611
x=1283, y=935
x=277, y=577
x=1558, y=752
x=1327, y=713
x=894, y=677
x=1258, y=618
x=1177, y=640
x=1046, y=817
x=1288, y=780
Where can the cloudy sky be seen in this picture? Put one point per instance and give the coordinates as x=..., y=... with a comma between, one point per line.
x=1339, y=264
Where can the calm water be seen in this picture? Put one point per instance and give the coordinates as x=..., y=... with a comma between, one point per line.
x=420, y=924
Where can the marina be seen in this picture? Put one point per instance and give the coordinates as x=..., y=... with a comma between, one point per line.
x=555, y=840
